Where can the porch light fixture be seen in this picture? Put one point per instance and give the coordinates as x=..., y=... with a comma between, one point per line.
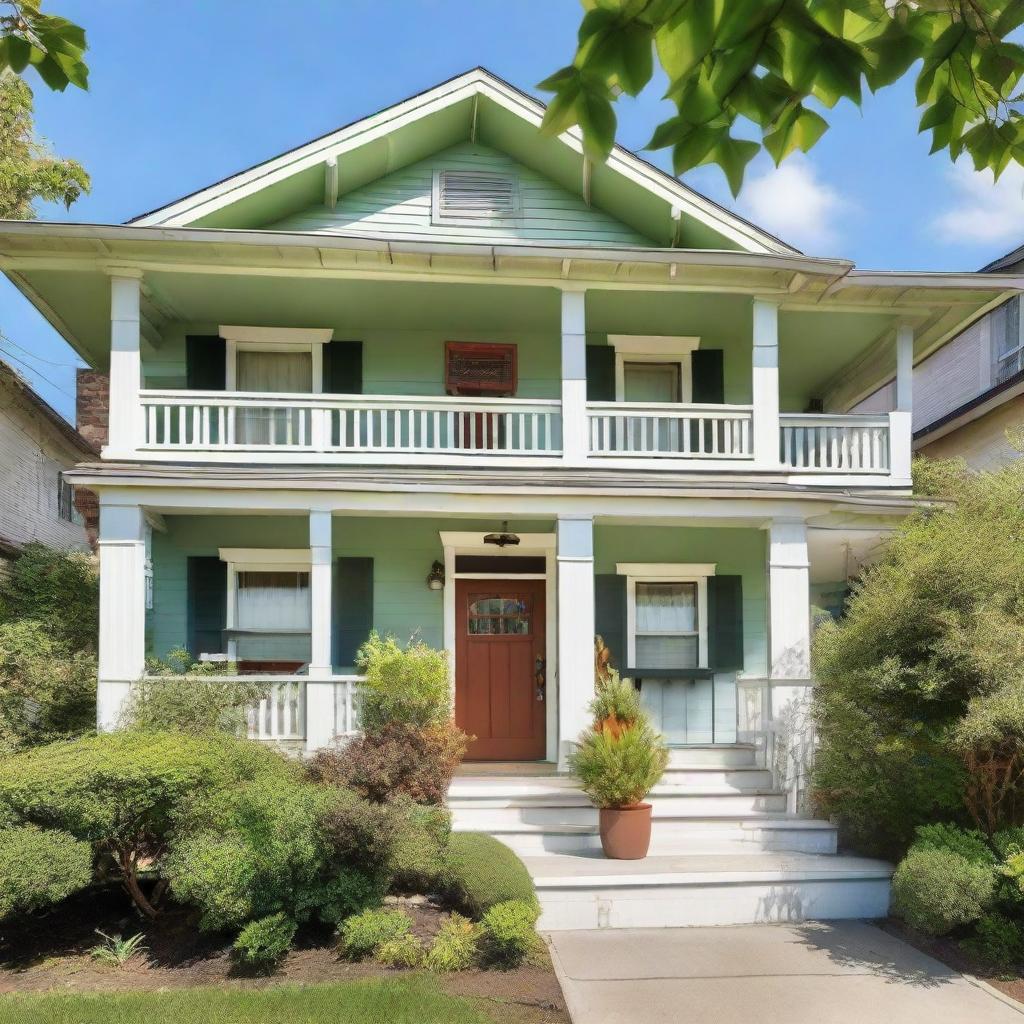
x=502, y=539
x=435, y=578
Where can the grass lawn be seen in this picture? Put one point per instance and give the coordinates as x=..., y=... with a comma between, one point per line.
x=415, y=999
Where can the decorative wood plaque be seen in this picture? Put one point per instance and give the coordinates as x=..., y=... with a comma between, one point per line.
x=479, y=368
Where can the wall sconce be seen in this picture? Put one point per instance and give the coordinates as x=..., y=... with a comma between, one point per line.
x=435, y=578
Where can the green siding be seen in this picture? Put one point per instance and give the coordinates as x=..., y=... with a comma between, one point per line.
x=399, y=205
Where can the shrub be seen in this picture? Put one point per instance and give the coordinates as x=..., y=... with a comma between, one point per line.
x=482, y=872
x=405, y=951
x=420, y=850
x=418, y=761
x=968, y=843
x=40, y=867
x=936, y=891
x=407, y=685
x=190, y=704
x=509, y=932
x=618, y=767
x=454, y=946
x=363, y=933
x=262, y=944
x=123, y=791
x=997, y=942
x=616, y=700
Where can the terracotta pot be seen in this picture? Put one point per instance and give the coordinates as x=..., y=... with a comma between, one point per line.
x=626, y=831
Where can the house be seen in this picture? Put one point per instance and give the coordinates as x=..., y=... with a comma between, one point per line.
x=969, y=393
x=37, y=446
x=435, y=372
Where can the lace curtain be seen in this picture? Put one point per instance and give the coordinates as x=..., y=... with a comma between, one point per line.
x=666, y=625
x=279, y=372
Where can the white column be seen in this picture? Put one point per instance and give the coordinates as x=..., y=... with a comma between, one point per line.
x=575, y=557
x=765, y=384
x=789, y=600
x=901, y=421
x=122, y=640
x=575, y=444
x=319, y=688
x=125, y=425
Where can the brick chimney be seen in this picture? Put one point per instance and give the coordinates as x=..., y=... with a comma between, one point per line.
x=92, y=413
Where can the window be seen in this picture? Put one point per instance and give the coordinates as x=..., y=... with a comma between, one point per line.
x=1006, y=341
x=66, y=501
x=147, y=566
x=652, y=382
x=497, y=616
x=666, y=615
x=474, y=196
x=653, y=368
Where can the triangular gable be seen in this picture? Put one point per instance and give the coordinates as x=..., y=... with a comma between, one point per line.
x=477, y=107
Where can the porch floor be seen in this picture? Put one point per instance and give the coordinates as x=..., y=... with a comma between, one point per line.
x=507, y=769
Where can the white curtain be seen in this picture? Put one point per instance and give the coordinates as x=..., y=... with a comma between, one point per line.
x=666, y=625
x=281, y=372
x=273, y=600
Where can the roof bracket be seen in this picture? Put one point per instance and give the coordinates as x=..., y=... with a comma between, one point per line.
x=677, y=227
x=331, y=182
x=588, y=169
x=472, y=123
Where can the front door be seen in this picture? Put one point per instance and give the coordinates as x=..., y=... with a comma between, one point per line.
x=499, y=668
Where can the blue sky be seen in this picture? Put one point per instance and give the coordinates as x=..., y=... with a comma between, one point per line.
x=185, y=93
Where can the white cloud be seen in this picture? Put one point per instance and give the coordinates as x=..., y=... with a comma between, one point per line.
x=793, y=203
x=980, y=210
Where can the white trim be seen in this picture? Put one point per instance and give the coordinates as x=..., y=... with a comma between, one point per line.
x=666, y=570
x=652, y=348
x=276, y=339
x=298, y=559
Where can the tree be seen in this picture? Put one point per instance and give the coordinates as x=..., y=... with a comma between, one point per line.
x=28, y=168
x=769, y=63
x=53, y=46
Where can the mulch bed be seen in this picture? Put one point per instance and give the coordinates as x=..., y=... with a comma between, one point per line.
x=948, y=952
x=52, y=953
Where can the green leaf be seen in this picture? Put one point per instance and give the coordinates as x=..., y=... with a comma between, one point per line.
x=18, y=52
x=669, y=132
x=732, y=65
x=938, y=113
x=636, y=63
x=686, y=38
x=939, y=52
x=799, y=128
x=733, y=155
x=561, y=111
x=52, y=73
x=553, y=83
x=693, y=150
x=597, y=119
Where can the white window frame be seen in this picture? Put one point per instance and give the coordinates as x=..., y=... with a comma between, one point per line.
x=274, y=339
x=667, y=572
x=260, y=560
x=654, y=348
x=1016, y=353
x=468, y=218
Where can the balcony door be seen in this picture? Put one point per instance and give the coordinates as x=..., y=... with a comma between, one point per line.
x=499, y=668
x=269, y=372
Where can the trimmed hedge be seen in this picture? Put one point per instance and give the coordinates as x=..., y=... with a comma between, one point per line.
x=937, y=891
x=482, y=872
x=39, y=868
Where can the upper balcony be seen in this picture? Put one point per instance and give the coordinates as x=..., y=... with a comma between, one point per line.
x=478, y=375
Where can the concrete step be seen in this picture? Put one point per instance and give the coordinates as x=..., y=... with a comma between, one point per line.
x=586, y=891
x=703, y=777
x=719, y=755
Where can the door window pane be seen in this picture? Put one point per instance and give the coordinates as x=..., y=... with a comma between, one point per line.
x=651, y=382
x=497, y=616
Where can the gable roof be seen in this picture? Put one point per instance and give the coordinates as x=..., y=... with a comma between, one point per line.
x=476, y=104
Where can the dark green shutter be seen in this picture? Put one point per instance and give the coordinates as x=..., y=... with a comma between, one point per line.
x=343, y=368
x=708, y=376
x=353, y=601
x=725, y=623
x=207, y=605
x=600, y=373
x=610, y=615
x=204, y=362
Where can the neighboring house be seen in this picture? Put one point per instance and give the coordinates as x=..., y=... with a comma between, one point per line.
x=435, y=372
x=969, y=393
x=37, y=446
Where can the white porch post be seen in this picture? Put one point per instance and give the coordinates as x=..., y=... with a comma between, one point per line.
x=575, y=556
x=901, y=420
x=319, y=688
x=125, y=424
x=765, y=384
x=122, y=640
x=575, y=445
x=789, y=602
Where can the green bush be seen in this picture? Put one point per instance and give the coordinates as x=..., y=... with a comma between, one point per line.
x=936, y=891
x=190, y=704
x=454, y=947
x=407, y=685
x=420, y=850
x=510, y=935
x=363, y=933
x=40, y=867
x=997, y=942
x=619, y=767
x=404, y=951
x=124, y=791
x=262, y=944
x=968, y=843
x=617, y=699
x=482, y=872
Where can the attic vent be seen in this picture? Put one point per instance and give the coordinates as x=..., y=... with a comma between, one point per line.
x=459, y=194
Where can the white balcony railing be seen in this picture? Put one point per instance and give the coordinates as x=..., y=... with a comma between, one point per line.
x=671, y=431
x=379, y=424
x=837, y=444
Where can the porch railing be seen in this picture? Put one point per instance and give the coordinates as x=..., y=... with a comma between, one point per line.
x=390, y=424
x=841, y=444
x=671, y=431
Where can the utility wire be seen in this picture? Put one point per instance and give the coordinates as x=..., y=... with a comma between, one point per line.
x=32, y=369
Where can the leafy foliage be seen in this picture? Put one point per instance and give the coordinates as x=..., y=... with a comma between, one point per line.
x=404, y=951
x=997, y=941
x=616, y=700
x=969, y=844
x=40, y=867
x=116, y=951
x=776, y=66
x=509, y=932
x=483, y=872
x=402, y=685
x=52, y=45
x=262, y=944
x=363, y=933
x=937, y=891
x=190, y=704
x=454, y=947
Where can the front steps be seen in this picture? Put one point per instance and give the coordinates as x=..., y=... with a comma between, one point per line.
x=723, y=849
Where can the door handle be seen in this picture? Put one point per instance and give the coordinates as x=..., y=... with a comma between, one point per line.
x=539, y=678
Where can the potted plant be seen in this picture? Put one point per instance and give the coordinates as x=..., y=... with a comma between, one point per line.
x=618, y=761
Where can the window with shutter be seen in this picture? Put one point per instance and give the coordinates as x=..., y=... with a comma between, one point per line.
x=474, y=195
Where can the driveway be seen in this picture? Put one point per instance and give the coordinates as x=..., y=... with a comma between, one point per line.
x=846, y=972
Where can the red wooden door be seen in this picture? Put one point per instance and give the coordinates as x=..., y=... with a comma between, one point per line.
x=499, y=668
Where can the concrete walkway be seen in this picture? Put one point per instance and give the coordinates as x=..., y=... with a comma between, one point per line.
x=848, y=972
